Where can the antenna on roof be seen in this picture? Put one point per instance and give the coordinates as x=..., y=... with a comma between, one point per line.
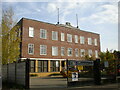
x=77, y=20
x=58, y=16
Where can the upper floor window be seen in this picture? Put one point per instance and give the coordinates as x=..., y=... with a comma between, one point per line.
x=31, y=32
x=54, y=51
x=90, y=53
x=54, y=35
x=69, y=51
x=62, y=51
x=30, y=48
x=96, y=53
x=95, y=42
x=76, y=52
x=76, y=39
x=82, y=52
x=43, y=33
x=69, y=37
x=89, y=41
x=82, y=40
x=43, y=50
x=62, y=37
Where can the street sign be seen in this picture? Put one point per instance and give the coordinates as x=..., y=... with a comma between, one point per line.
x=106, y=64
x=71, y=62
x=80, y=67
x=85, y=63
x=80, y=63
x=74, y=76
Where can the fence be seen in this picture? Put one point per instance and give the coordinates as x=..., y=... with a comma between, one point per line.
x=16, y=73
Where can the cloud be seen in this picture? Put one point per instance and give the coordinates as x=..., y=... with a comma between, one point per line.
x=60, y=1
x=108, y=14
x=65, y=8
x=27, y=9
x=52, y=7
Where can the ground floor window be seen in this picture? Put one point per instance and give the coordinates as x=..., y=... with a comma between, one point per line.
x=42, y=66
x=32, y=66
x=54, y=66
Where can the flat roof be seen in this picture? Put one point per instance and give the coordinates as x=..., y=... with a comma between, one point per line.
x=60, y=25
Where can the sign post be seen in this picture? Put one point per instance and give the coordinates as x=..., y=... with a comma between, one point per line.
x=97, y=73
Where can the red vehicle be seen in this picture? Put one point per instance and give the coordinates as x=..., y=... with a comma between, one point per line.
x=118, y=70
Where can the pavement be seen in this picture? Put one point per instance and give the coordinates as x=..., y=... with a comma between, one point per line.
x=101, y=87
x=60, y=83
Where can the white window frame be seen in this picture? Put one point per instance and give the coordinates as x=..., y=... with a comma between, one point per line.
x=82, y=52
x=96, y=53
x=43, y=33
x=32, y=46
x=82, y=40
x=54, y=51
x=69, y=50
x=43, y=50
x=69, y=37
x=89, y=41
x=62, y=37
x=62, y=51
x=54, y=35
x=90, y=53
x=76, y=52
x=95, y=42
x=76, y=38
x=31, y=32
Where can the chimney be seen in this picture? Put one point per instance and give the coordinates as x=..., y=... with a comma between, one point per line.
x=68, y=24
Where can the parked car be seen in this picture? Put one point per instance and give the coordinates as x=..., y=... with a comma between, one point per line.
x=118, y=70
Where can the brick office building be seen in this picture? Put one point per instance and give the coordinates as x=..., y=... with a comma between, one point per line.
x=49, y=45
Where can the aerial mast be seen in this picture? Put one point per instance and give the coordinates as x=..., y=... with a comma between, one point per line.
x=58, y=16
x=77, y=20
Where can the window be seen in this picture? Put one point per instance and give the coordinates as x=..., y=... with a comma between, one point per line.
x=69, y=51
x=96, y=53
x=43, y=50
x=62, y=37
x=95, y=42
x=82, y=52
x=82, y=40
x=42, y=66
x=43, y=33
x=54, y=35
x=54, y=66
x=76, y=52
x=89, y=41
x=69, y=37
x=62, y=51
x=90, y=53
x=30, y=48
x=76, y=39
x=32, y=66
x=54, y=51
x=31, y=32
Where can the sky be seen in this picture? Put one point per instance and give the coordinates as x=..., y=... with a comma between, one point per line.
x=99, y=17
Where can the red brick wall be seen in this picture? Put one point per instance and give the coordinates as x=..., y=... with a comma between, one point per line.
x=37, y=41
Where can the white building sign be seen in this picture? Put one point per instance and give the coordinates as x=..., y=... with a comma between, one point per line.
x=74, y=76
